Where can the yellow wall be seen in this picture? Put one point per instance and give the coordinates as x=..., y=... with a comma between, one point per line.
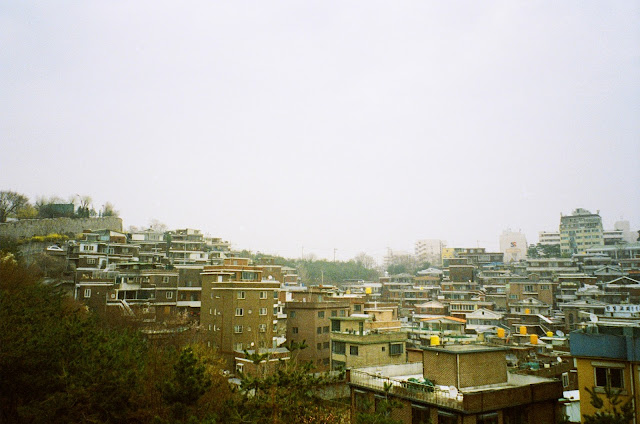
x=586, y=378
x=448, y=253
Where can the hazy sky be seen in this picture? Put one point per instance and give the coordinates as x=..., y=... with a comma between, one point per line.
x=355, y=125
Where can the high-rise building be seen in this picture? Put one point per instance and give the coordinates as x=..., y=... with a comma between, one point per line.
x=514, y=246
x=628, y=236
x=580, y=231
x=429, y=250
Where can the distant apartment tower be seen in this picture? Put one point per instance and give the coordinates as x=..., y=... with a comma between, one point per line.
x=580, y=231
x=429, y=250
x=628, y=236
x=238, y=307
x=514, y=246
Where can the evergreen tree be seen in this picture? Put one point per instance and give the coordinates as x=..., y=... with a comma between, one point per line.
x=613, y=411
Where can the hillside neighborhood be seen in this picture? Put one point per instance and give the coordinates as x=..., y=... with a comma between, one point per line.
x=513, y=336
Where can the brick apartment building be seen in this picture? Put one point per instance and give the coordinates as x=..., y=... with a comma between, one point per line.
x=238, y=308
x=311, y=322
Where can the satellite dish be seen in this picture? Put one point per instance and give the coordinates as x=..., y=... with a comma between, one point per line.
x=593, y=318
x=559, y=359
x=559, y=333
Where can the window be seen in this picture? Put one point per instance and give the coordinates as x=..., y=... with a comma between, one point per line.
x=87, y=292
x=263, y=295
x=275, y=310
x=239, y=312
x=420, y=415
x=335, y=325
x=339, y=348
x=343, y=313
x=292, y=314
x=237, y=329
x=381, y=407
x=357, y=308
x=241, y=295
x=262, y=311
x=91, y=261
x=165, y=279
x=447, y=418
x=319, y=346
x=565, y=379
x=361, y=401
x=319, y=330
x=334, y=313
x=320, y=314
x=353, y=350
x=262, y=328
x=294, y=330
x=491, y=418
x=169, y=295
x=396, y=349
x=612, y=377
x=275, y=294
x=528, y=288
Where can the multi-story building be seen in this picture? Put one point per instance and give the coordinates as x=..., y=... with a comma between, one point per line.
x=429, y=250
x=187, y=246
x=372, y=338
x=550, y=238
x=477, y=256
x=237, y=309
x=607, y=355
x=550, y=268
x=311, y=322
x=580, y=231
x=628, y=236
x=542, y=290
x=513, y=245
x=457, y=384
x=153, y=246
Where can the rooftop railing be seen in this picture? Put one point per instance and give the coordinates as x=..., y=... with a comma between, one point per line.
x=409, y=390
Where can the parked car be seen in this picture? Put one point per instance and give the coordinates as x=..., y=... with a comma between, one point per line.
x=54, y=248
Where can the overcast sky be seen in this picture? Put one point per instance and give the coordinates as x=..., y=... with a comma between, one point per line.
x=354, y=125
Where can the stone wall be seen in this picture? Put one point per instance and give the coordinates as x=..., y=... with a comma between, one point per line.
x=42, y=227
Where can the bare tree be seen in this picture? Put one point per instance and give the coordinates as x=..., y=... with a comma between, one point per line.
x=10, y=203
x=84, y=206
x=158, y=226
x=365, y=260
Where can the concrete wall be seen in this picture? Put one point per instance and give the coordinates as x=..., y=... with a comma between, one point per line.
x=42, y=227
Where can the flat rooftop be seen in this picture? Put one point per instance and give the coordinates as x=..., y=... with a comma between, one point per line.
x=465, y=348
